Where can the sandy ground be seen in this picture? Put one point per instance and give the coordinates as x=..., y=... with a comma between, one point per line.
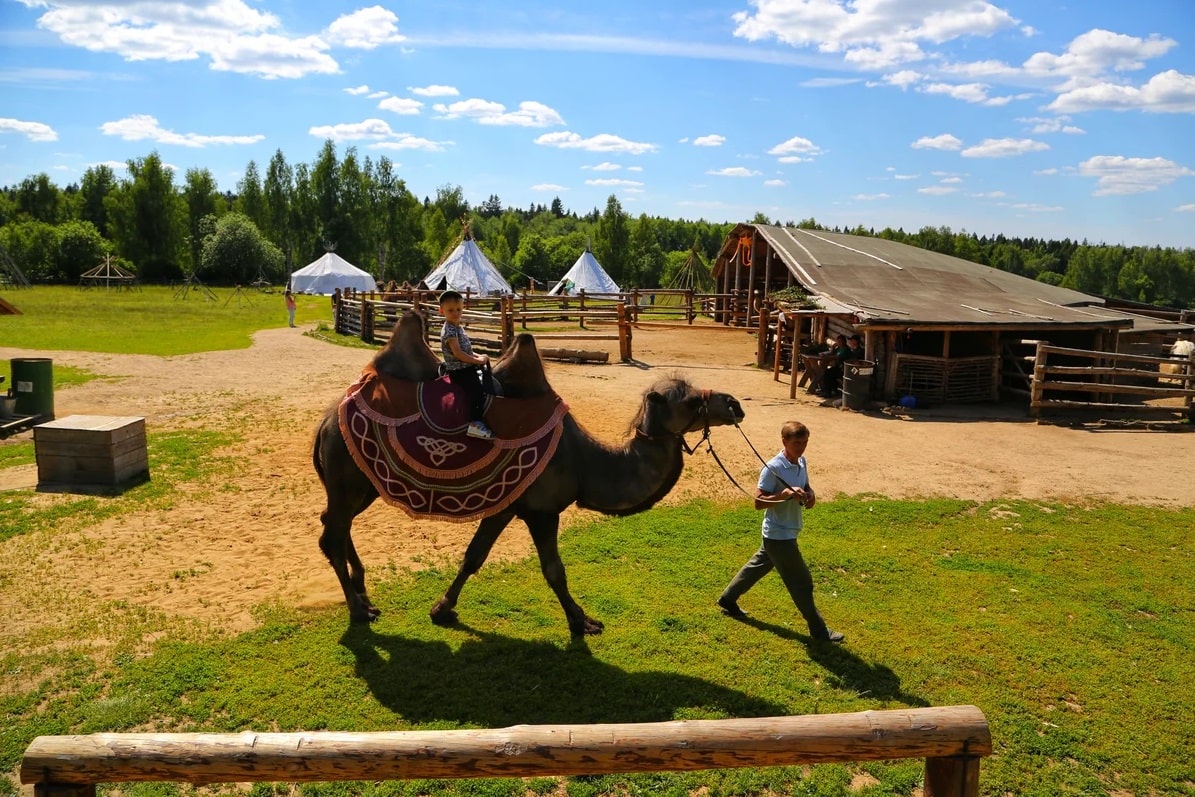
x=216, y=557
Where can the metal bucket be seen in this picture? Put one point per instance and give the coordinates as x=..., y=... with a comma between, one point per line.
x=33, y=385
x=856, y=383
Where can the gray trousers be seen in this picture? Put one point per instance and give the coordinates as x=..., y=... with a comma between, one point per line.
x=785, y=557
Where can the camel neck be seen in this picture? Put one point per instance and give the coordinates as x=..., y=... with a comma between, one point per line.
x=629, y=479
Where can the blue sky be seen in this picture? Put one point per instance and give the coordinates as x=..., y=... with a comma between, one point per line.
x=1055, y=119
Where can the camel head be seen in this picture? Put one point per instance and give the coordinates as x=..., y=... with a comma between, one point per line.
x=673, y=407
x=406, y=355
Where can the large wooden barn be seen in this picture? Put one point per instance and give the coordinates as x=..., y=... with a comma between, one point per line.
x=937, y=326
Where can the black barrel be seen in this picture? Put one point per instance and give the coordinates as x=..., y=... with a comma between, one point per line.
x=33, y=385
x=856, y=383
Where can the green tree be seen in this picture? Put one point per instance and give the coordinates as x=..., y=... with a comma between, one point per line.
x=251, y=200
x=450, y=199
x=236, y=252
x=435, y=234
x=80, y=249
x=277, y=191
x=325, y=195
x=200, y=197
x=39, y=199
x=33, y=246
x=353, y=223
x=646, y=259
x=146, y=219
x=304, y=225
x=98, y=182
x=611, y=245
x=532, y=259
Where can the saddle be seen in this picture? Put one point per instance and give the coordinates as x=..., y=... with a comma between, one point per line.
x=409, y=439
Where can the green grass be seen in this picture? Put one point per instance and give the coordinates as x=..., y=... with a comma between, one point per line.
x=1072, y=628
x=146, y=321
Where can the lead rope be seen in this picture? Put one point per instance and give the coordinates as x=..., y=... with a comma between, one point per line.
x=710, y=445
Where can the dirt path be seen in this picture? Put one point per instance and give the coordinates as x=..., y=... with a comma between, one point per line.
x=257, y=542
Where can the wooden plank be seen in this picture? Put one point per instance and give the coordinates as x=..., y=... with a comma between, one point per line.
x=1105, y=387
x=1109, y=355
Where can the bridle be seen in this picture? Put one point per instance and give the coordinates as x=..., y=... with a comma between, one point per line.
x=703, y=413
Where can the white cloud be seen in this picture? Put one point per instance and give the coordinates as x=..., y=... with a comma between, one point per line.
x=1004, y=148
x=951, y=180
x=634, y=168
x=403, y=106
x=1167, y=92
x=1095, y=53
x=1046, y=171
x=712, y=140
x=379, y=133
x=943, y=142
x=988, y=195
x=1186, y=208
x=34, y=131
x=365, y=29
x=143, y=127
x=967, y=92
x=377, y=95
x=487, y=112
x=1058, y=124
x=937, y=190
x=684, y=140
x=905, y=176
x=828, y=82
x=603, y=142
x=870, y=197
x=977, y=69
x=795, y=146
x=1034, y=207
x=774, y=183
x=902, y=79
x=872, y=34
x=233, y=36
x=434, y=91
x=1117, y=174
x=115, y=166
x=548, y=187
x=358, y=90
x=614, y=181
x=604, y=166
x=734, y=171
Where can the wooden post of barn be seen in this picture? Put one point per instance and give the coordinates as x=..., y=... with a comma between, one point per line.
x=624, y=333
x=761, y=339
x=1039, y=375
x=778, y=353
x=796, y=355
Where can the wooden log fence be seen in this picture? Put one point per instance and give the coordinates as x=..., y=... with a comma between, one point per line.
x=951, y=739
x=491, y=321
x=1106, y=377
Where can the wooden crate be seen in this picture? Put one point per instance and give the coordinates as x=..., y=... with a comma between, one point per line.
x=90, y=451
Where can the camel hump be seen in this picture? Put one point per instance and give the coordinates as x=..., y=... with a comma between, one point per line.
x=406, y=355
x=521, y=371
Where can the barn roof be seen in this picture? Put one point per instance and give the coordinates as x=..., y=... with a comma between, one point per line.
x=889, y=283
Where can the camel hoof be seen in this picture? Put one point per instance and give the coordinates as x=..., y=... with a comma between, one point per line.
x=442, y=614
x=590, y=627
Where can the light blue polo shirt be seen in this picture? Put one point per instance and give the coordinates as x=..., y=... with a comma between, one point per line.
x=783, y=521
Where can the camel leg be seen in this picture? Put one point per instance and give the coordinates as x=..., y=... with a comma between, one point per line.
x=544, y=528
x=337, y=544
x=487, y=534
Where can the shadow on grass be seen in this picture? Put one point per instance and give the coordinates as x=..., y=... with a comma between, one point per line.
x=492, y=681
x=849, y=671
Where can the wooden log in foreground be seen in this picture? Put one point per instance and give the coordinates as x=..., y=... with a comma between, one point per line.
x=954, y=737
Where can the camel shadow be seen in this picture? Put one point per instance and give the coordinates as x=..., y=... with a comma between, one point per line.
x=848, y=671
x=493, y=681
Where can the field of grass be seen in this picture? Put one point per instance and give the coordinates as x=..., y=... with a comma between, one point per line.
x=152, y=320
x=1072, y=628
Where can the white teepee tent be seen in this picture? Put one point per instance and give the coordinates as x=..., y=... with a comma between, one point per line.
x=329, y=273
x=467, y=268
x=585, y=275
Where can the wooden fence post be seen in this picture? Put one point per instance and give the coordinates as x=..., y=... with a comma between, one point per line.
x=952, y=776
x=366, y=320
x=1039, y=374
x=761, y=340
x=624, y=333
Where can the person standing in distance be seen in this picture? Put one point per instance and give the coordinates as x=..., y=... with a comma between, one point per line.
x=290, y=308
x=783, y=492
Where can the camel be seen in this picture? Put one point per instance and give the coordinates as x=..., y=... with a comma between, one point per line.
x=614, y=480
x=1182, y=352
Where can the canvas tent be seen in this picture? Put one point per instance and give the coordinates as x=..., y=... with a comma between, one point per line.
x=330, y=272
x=585, y=275
x=467, y=269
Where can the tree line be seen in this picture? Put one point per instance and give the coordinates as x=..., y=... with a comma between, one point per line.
x=165, y=229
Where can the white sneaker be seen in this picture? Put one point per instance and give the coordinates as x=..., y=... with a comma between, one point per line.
x=479, y=430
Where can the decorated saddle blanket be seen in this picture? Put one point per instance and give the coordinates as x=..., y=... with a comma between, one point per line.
x=409, y=438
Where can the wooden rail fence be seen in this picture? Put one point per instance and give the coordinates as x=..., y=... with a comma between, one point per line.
x=951, y=739
x=1110, y=374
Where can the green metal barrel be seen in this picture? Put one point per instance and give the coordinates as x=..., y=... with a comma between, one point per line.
x=856, y=383
x=33, y=385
